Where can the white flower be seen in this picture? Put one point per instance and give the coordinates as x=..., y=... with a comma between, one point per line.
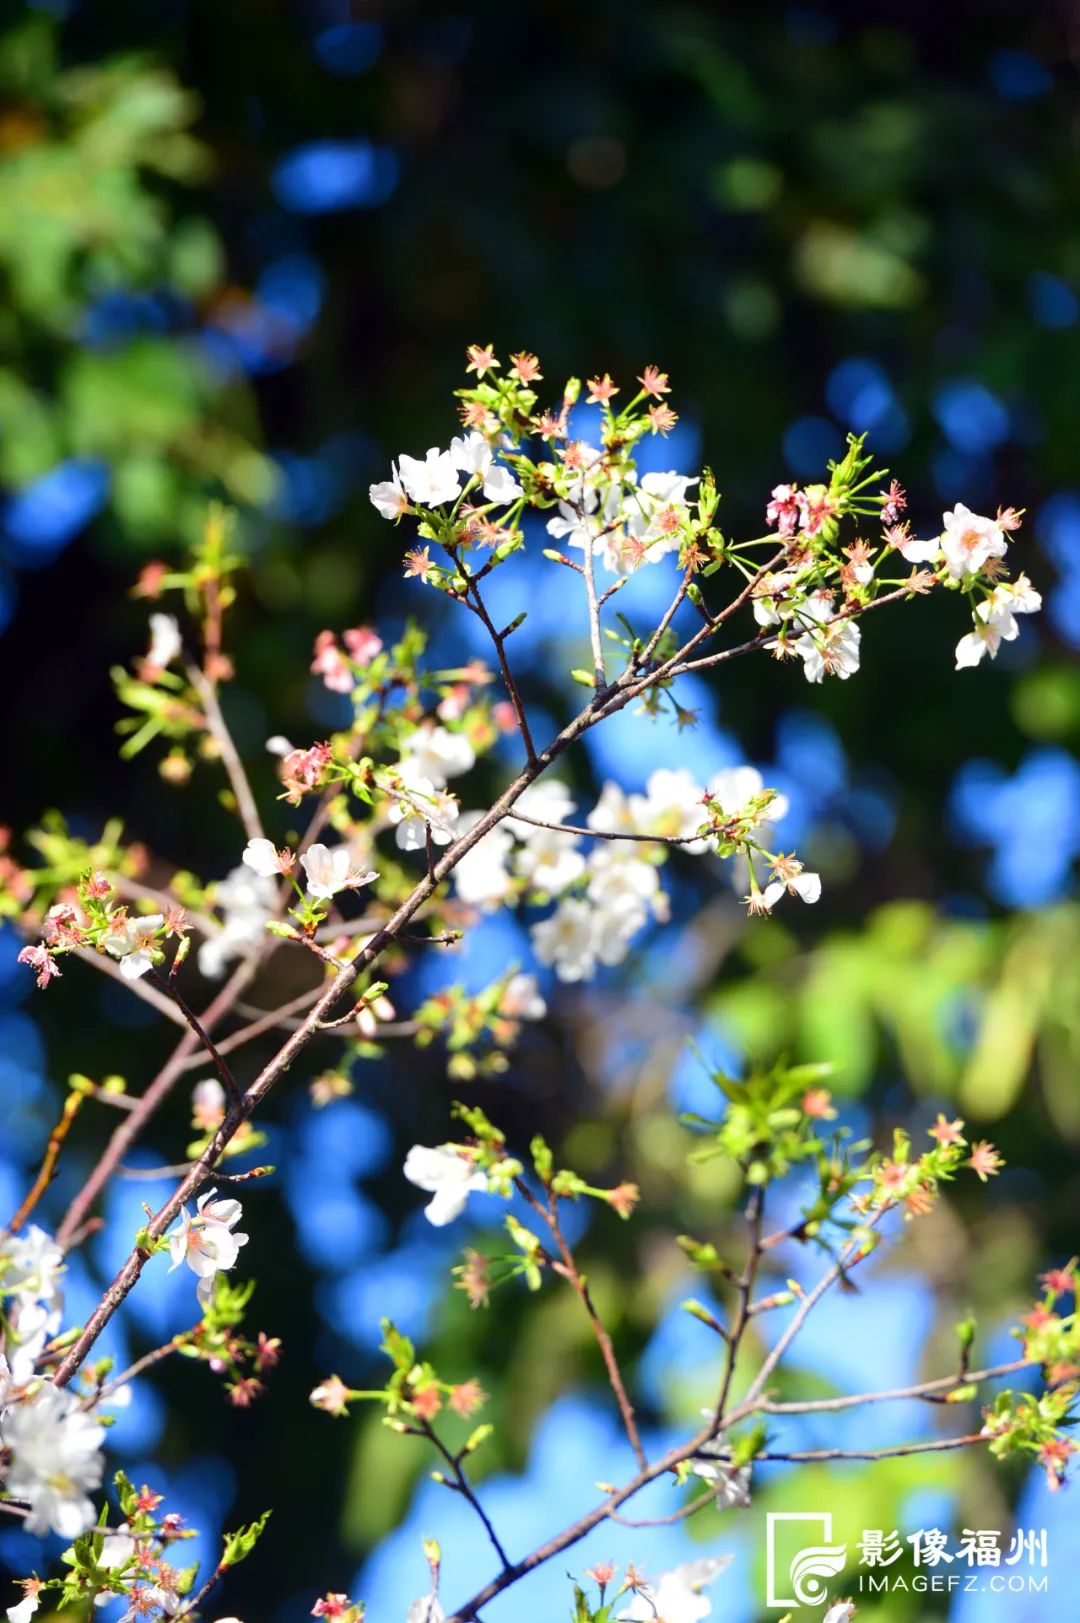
x=247, y=900
x=998, y=616
x=830, y=650
x=263, y=858
x=567, y=939
x=327, y=871
x=482, y=878
x=736, y=786
x=732, y=1485
x=773, y=597
x=432, y=481
x=622, y=883
x=501, y=487
x=165, y=643
x=387, y=497
x=436, y=754
x=424, y=810
x=33, y=1265
x=806, y=886
x=206, y=1242
x=56, y=1461
x=24, y=1611
x=968, y=541
x=914, y=551
x=277, y=744
x=677, y=1597
x=428, y=1609
x=521, y=999
x=548, y=859
x=473, y=455
x=445, y=1174
x=29, y=1327
x=129, y=940
x=672, y=805
x=842, y=1612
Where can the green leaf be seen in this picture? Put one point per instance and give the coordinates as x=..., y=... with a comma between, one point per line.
x=239, y=1545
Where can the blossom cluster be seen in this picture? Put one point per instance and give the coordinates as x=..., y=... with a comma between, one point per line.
x=392, y=846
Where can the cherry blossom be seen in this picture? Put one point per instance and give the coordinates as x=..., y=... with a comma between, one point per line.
x=329, y=871
x=567, y=940
x=263, y=858
x=676, y=1597
x=41, y=960
x=165, y=643
x=435, y=754
x=428, y=1609
x=330, y=663
x=422, y=812
x=521, y=999
x=831, y=648
x=784, y=509
x=969, y=541
x=247, y=900
x=388, y=497
x=206, y=1242
x=25, y=1609
x=482, y=877
x=445, y=1174
x=995, y=621
x=792, y=878
x=433, y=481
x=208, y=1104
x=129, y=940
x=734, y=788
x=56, y=1461
x=474, y=456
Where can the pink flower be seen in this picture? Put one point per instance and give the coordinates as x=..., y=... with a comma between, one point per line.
x=330, y=663
x=784, y=509
x=363, y=644
x=42, y=961
x=302, y=770
x=331, y=1606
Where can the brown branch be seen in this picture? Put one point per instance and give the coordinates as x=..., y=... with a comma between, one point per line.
x=595, y=635
x=571, y=1271
x=249, y=1101
x=234, y=767
x=897, y=1451
x=462, y=1485
x=923, y=1389
x=755, y=1217
x=124, y=1135
x=72, y=1106
x=172, y=990
x=110, y=966
x=499, y=640
x=604, y=834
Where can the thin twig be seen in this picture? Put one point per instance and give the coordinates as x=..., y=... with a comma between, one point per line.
x=72, y=1106
x=923, y=1389
x=230, y=759
x=897, y=1451
x=550, y=1215
x=223, y=1071
x=605, y=834
x=462, y=1485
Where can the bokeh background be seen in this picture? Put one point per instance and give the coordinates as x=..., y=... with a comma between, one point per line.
x=242, y=249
